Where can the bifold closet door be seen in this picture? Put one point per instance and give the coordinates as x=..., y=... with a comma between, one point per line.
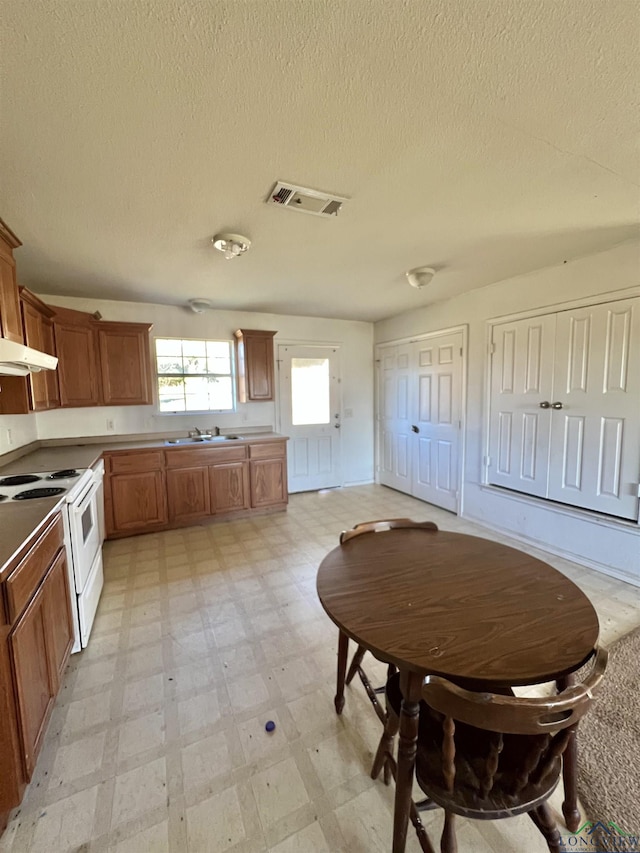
x=595, y=432
x=394, y=417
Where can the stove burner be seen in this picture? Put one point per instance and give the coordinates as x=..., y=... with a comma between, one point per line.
x=31, y=494
x=3, y=497
x=65, y=474
x=19, y=480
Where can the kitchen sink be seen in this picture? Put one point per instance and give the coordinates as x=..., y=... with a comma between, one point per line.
x=203, y=439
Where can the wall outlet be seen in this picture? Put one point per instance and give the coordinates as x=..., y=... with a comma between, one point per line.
x=111, y=427
x=9, y=437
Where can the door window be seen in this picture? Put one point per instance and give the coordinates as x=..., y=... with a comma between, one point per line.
x=310, y=397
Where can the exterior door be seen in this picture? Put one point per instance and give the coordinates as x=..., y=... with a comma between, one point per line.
x=521, y=395
x=595, y=439
x=309, y=400
x=419, y=418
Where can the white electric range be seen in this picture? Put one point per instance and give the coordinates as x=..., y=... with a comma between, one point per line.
x=83, y=518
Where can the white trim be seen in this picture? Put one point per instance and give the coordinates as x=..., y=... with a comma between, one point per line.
x=546, y=547
x=450, y=330
x=554, y=308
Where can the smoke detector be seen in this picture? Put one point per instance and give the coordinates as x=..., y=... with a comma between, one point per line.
x=420, y=276
x=305, y=200
x=231, y=244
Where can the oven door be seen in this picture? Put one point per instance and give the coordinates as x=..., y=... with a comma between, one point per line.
x=88, y=601
x=85, y=535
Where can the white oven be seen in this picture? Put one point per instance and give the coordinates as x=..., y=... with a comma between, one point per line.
x=85, y=533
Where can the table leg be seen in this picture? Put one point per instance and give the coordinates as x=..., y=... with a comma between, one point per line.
x=343, y=652
x=570, y=770
x=411, y=686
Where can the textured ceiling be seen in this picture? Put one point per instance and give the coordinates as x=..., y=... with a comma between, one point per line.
x=485, y=138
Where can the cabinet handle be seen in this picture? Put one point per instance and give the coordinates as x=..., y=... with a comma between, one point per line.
x=556, y=405
x=545, y=404
x=414, y=428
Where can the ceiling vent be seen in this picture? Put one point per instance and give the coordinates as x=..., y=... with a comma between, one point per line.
x=305, y=200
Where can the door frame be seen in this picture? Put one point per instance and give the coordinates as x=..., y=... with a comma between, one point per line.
x=381, y=345
x=337, y=345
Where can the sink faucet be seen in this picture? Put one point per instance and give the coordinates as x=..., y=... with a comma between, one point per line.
x=215, y=430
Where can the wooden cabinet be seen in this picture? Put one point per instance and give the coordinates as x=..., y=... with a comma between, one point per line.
x=76, y=347
x=36, y=320
x=151, y=489
x=49, y=346
x=10, y=319
x=36, y=638
x=138, y=501
x=125, y=363
x=229, y=486
x=254, y=365
x=188, y=493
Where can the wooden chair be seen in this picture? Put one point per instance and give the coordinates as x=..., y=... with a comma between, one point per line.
x=486, y=755
x=343, y=676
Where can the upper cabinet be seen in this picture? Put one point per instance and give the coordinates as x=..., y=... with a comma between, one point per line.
x=10, y=319
x=76, y=347
x=254, y=356
x=35, y=316
x=125, y=363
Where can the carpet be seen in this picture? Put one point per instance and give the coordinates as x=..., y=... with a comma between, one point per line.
x=609, y=741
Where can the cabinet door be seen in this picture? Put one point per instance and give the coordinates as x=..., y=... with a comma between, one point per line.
x=268, y=482
x=58, y=619
x=125, y=364
x=188, y=493
x=229, y=487
x=10, y=320
x=254, y=354
x=34, y=679
x=77, y=365
x=521, y=395
x=595, y=431
x=138, y=500
x=33, y=337
x=49, y=346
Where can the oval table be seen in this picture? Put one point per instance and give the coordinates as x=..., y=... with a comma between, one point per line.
x=472, y=610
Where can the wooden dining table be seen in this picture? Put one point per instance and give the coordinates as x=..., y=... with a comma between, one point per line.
x=475, y=611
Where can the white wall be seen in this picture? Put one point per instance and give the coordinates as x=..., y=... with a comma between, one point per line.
x=356, y=344
x=615, y=547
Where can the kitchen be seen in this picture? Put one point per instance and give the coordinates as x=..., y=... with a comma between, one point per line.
x=158, y=602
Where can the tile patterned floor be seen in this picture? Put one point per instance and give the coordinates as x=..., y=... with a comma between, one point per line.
x=157, y=742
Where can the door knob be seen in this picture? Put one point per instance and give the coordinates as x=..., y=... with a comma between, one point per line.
x=336, y=426
x=414, y=428
x=545, y=404
x=556, y=405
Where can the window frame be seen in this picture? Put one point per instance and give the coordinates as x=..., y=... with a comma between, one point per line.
x=231, y=375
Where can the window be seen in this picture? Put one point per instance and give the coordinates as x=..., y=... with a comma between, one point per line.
x=194, y=376
x=310, y=391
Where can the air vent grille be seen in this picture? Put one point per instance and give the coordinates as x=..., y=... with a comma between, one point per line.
x=305, y=200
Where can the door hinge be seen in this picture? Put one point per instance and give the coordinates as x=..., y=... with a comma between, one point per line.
x=460, y=350
x=492, y=348
x=487, y=461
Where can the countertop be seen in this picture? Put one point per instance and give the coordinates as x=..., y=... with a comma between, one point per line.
x=19, y=521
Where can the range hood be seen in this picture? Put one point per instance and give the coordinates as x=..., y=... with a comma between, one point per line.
x=19, y=360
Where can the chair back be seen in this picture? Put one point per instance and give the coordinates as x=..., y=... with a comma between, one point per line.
x=382, y=525
x=525, y=735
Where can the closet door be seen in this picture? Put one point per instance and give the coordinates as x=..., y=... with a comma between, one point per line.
x=595, y=433
x=394, y=401
x=521, y=392
x=436, y=426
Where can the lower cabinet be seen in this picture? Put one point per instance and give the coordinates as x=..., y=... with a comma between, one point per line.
x=229, y=484
x=151, y=489
x=188, y=493
x=138, y=500
x=36, y=637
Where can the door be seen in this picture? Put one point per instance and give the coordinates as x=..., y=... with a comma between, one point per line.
x=309, y=385
x=595, y=436
x=522, y=357
x=420, y=417
x=59, y=623
x=437, y=426
x=34, y=338
x=229, y=484
x=138, y=500
x=85, y=533
x=188, y=493
x=77, y=365
x=125, y=364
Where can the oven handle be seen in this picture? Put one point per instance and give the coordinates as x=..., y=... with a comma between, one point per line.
x=78, y=509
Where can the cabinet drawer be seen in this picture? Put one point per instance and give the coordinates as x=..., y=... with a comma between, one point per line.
x=266, y=450
x=144, y=460
x=201, y=456
x=26, y=577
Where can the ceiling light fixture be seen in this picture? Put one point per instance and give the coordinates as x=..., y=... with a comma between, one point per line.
x=231, y=244
x=420, y=276
x=199, y=306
